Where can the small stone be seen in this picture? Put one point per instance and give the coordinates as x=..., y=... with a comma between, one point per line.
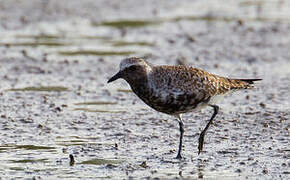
x=144, y=164
x=58, y=109
x=240, y=22
x=262, y=105
x=71, y=160
x=171, y=151
x=265, y=171
x=242, y=163
x=250, y=159
x=111, y=166
x=238, y=170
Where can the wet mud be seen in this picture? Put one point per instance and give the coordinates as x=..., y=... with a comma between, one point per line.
x=59, y=119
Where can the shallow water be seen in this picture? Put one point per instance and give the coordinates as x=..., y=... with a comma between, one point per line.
x=57, y=57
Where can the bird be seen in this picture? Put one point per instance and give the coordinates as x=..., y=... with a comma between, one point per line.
x=175, y=90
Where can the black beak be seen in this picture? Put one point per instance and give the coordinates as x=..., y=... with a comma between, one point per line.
x=115, y=77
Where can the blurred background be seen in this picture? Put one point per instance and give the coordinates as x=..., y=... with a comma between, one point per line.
x=55, y=60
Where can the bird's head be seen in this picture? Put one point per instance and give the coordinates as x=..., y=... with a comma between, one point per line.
x=132, y=69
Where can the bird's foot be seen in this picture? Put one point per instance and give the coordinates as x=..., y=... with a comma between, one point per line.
x=178, y=156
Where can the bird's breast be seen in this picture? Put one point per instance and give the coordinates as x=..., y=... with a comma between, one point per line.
x=170, y=103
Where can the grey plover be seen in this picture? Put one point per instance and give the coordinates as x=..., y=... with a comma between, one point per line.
x=175, y=90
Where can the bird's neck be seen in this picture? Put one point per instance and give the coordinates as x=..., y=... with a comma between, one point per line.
x=141, y=88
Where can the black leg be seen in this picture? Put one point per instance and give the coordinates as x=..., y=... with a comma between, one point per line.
x=202, y=134
x=181, y=129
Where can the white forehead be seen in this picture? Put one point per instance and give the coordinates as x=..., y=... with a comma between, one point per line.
x=132, y=61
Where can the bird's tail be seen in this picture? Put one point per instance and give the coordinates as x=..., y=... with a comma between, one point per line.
x=242, y=83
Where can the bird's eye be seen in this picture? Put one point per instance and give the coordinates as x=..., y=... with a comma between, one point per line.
x=132, y=68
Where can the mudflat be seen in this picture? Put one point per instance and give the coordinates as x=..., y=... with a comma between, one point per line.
x=55, y=60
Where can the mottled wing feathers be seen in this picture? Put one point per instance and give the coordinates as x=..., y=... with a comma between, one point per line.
x=193, y=80
x=175, y=78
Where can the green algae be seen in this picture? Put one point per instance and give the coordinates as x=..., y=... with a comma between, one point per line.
x=29, y=160
x=127, y=23
x=98, y=161
x=137, y=43
x=34, y=44
x=39, y=36
x=41, y=88
x=98, y=110
x=96, y=53
x=96, y=103
x=32, y=147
